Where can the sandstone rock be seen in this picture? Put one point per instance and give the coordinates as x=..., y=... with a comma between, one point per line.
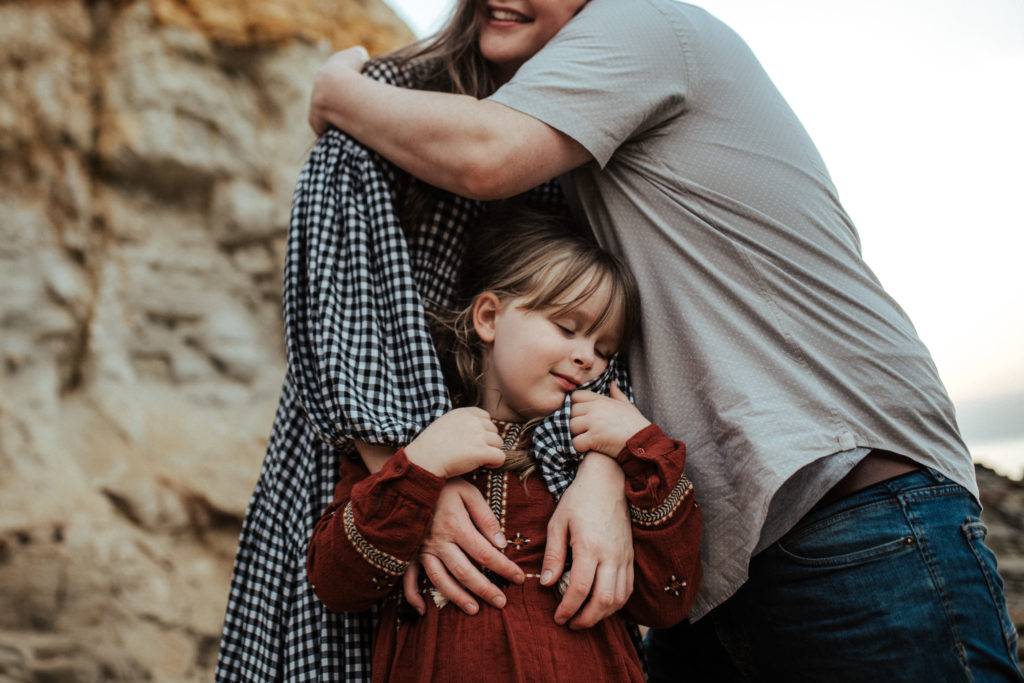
x=148, y=151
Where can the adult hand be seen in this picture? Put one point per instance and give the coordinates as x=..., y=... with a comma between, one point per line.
x=593, y=518
x=463, y=525
x=328, y=84
x=603, y=424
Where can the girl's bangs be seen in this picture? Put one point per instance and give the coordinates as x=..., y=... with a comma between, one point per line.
x=564, y=275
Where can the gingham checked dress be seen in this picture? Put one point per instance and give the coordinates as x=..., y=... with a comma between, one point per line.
x=361, y=364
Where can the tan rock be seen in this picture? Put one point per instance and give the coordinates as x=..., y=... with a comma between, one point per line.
x=148, y=152
x=373, y=25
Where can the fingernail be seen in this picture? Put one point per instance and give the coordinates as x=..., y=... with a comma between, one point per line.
x=471, y=608
x=520, y=578
x=546, y=576
x=499, y=601
x=421, y=610
x=500, y=540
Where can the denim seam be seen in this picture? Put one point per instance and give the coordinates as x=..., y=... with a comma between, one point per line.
x=927, y=491
x=938, y=582
x=992, y=591
x=879, y=552
x=833, y=519
x=936, y=491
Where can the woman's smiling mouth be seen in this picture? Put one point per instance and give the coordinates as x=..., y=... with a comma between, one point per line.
x=506, y=16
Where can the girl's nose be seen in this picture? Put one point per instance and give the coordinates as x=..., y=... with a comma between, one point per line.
x=583, y=357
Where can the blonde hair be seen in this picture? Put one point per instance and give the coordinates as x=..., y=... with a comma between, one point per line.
x=517, y=252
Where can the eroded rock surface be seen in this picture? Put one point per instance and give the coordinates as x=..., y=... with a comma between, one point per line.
x=148, y=151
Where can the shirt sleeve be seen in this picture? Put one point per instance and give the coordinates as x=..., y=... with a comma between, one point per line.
x=666, y=529
x=615, y=71
x=366, y=537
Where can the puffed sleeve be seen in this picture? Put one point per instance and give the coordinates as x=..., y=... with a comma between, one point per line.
x=360, y=355
x=666, y=528
x=366, y=537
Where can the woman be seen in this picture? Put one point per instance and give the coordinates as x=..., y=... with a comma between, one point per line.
x=274, y=627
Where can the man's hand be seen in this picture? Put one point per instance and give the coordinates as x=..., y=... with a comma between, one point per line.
x=328, y=84
x=463, y=525
x=603, y=424
x=593, y=516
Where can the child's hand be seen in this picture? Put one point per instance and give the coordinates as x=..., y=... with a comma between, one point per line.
x=603, y=424
x=459, y=441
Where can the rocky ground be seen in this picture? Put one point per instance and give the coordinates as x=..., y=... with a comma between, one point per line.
x=148, y=150
x=1003, y=500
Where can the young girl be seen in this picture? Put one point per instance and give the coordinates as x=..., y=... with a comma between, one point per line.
x=549, y=310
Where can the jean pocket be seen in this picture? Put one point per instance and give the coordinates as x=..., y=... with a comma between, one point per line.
x=975, y=532
x=850, y=537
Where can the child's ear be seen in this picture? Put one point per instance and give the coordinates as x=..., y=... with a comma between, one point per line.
x=485, y=314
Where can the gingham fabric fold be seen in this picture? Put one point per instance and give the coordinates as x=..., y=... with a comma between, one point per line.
x=361, y=363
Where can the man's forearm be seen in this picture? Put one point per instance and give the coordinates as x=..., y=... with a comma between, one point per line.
x=441, y=138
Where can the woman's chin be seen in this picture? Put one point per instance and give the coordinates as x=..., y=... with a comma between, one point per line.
x=504, y=57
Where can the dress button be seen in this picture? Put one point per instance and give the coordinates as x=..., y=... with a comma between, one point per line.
x=640, y=451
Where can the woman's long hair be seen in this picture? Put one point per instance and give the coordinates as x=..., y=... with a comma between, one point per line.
x=518, y=252
x=450, y=61
x=451, y=58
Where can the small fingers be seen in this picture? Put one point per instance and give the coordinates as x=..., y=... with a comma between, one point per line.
x=577, y=425
x=580, y=409
x=582, y=443
x=584, y=395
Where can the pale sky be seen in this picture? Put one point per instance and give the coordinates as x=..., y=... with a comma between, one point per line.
x=916, y=107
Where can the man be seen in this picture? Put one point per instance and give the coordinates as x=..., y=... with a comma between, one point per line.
x=842, y=537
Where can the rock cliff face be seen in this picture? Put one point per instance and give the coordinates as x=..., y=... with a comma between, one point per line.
x=148, y=151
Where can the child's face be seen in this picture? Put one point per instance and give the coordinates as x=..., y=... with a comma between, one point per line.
x=536, y=357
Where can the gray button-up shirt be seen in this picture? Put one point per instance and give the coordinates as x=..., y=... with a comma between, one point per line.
x=768, y=345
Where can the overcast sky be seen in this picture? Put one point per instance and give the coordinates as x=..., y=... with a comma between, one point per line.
x=916, y=107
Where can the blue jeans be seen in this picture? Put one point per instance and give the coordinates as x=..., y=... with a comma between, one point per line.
x=893, y=583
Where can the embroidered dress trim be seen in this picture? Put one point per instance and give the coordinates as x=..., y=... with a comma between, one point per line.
x=497, y=495
x=389, y=564
x=662, y=513
x=497, y=482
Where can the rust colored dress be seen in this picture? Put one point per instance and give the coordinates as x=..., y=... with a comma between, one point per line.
x=366, y=537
